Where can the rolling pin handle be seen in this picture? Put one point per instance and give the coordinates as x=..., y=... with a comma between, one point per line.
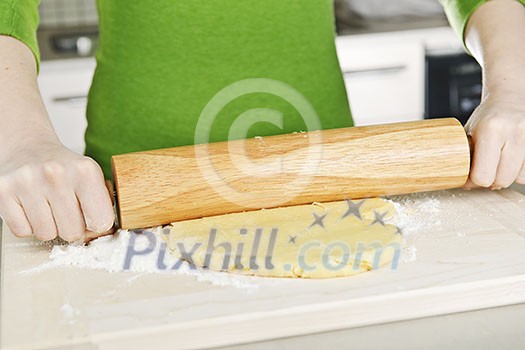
x=112, y=194
x=111, y=190
x=91, y=235
x=471, y=147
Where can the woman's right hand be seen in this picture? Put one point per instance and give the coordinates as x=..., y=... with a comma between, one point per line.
x=46, y=191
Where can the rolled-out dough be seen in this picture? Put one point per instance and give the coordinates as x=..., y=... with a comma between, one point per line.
x=333, y=239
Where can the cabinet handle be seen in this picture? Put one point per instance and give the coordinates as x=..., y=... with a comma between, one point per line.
x=72, y=100
x=370, y=71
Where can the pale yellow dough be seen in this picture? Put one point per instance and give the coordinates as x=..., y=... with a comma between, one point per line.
x=327, y=242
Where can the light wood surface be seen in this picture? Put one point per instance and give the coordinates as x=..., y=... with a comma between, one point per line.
x=472, y=260
x=162, y=186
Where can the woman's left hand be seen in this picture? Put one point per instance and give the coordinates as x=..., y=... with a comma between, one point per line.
x=497, y=129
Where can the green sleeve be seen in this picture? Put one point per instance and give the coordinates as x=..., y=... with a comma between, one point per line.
x=459, y=12
x=19, y=19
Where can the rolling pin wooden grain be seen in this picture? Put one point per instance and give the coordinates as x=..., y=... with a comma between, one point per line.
x=166, y=185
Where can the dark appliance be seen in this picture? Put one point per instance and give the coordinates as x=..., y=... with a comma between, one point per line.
x=453, y=85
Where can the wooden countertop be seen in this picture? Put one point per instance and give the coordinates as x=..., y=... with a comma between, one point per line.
x=473, y=260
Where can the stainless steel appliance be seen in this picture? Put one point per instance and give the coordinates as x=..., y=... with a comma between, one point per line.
x=68, y=28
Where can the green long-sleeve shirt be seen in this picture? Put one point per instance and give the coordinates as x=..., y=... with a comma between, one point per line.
x=161, y=63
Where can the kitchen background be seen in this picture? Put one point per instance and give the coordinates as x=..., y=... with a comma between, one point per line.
x=400, y=59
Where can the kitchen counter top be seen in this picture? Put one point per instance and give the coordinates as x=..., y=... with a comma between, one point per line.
x=473, y=260
x=495, y=328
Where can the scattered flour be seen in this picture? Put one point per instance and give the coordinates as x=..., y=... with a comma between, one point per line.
x=409, y=254
x=416, y=214
x=69, y=313
x=110, y=253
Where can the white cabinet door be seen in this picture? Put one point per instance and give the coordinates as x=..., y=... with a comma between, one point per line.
x=384, y=77
x=64, y=86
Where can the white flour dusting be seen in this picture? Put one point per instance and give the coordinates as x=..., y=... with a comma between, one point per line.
x=416, y=213
x=109, y=253
x=70, y=313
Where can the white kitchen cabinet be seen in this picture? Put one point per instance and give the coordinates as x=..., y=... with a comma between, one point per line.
x=64, y=86
x=385, y=72
x=384, y=78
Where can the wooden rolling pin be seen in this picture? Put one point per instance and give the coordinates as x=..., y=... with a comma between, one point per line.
x=166, y=185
